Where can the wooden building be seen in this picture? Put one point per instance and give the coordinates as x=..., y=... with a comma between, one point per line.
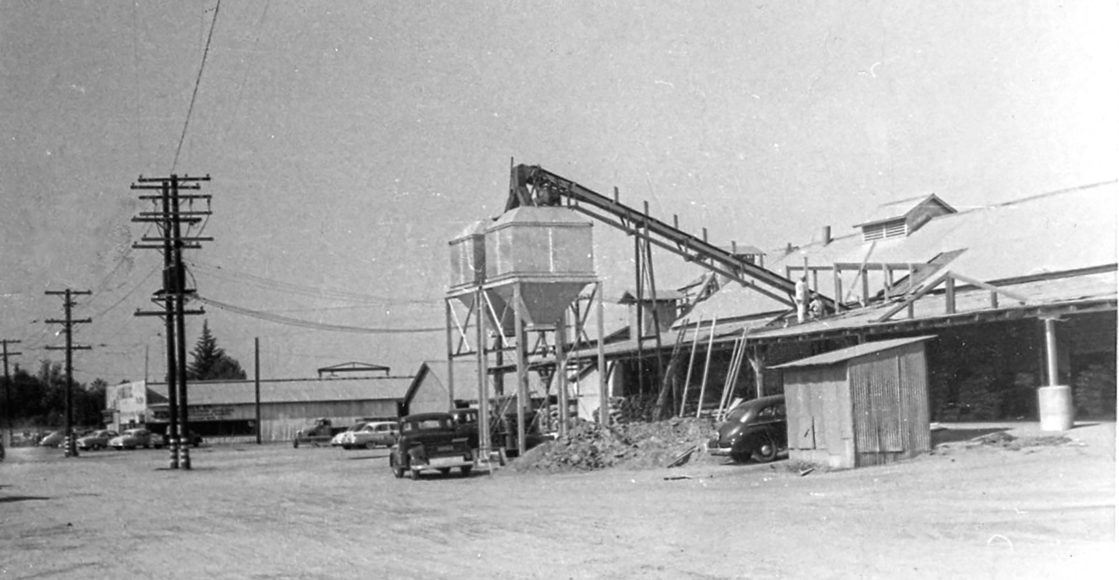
x=861, y=405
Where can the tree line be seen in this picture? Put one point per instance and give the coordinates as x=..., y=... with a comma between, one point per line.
x=39, y=399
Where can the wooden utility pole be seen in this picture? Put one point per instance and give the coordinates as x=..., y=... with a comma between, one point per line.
x=256, y=384
x=68, y=327
x=8, y=389
x=169, y=217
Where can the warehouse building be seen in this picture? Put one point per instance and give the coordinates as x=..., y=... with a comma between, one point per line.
x=230, y=408
x=1011, y=293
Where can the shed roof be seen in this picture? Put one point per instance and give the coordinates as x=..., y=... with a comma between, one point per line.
x=903, y=207
x=851, y=352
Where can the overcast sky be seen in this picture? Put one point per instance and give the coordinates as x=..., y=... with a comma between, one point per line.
x=349, y=141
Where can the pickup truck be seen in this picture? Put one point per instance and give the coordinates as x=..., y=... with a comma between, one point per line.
x=318, y=433
x=430, y=441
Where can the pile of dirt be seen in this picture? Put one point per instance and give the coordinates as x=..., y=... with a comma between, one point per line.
x=590, y=446
x=1005, y=440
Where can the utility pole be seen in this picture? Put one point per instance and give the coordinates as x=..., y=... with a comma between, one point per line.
x=8, y=388
x=168, y=216
x=68, y=327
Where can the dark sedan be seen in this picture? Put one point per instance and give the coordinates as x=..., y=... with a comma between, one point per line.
x=755, y=430
x=430, y=441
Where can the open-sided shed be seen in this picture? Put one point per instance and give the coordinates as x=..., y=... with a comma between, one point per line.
x=857, y=406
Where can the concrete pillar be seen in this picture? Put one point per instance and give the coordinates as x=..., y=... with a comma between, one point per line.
x=1054, y=402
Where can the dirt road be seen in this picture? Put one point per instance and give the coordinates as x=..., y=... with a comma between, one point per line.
x=276, y=512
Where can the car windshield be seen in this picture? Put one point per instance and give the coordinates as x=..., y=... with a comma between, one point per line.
x=737, y=413
x=427, y=424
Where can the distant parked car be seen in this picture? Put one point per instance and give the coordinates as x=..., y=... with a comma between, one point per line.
x=430, y=441
x=133, y=438
x=337, y=440
x=98, y=439
x=370, y=435
x=754, y=429
x=53, y=439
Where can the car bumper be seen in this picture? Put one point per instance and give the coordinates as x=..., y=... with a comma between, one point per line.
x=443, y=463
x=719, y=451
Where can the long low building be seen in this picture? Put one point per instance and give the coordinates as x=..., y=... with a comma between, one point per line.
x=229, y=408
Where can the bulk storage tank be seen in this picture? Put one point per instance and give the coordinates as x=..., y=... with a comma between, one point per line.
x=545, y=253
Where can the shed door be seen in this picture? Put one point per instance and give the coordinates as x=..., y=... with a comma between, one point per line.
x=876, y=398
x=801, y=428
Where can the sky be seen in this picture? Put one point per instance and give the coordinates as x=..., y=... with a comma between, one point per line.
x=349, y=141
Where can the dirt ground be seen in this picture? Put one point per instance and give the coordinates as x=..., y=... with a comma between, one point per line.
x=968, y=510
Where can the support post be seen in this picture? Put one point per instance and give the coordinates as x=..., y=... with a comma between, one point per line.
x=484, y=431
x=522, y=368
x=706, y=369
x=561, y=370
x=451, y=345
x=1054, y=402
x=603, y=393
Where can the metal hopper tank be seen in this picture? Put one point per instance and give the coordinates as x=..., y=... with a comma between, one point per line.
x=544, y=254
x=468, y=271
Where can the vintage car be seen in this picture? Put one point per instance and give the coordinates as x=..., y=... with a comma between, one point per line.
x=53, y=439
x=338, y=439
x=133, y=438
x=466, y=423
x=370, y=435
x=754, y=429
x=94, y=440
x=429, y=441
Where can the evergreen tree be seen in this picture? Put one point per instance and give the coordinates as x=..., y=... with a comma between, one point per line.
x=210, y=361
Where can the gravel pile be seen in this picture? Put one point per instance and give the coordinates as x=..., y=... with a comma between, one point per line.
x=590, y=446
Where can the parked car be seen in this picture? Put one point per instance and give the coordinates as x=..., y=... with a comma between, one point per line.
x=370, y=435
x=754, y=429
x=98, y=439
x=466, y=423
x=53, y=439
x=336, y=441
x=133, y=438
x=430, y=441
x=321, y=431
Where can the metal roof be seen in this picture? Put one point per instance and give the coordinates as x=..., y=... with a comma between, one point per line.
x=851, y=352
x=972, y=304
x=1055, y=232
x=292, y=390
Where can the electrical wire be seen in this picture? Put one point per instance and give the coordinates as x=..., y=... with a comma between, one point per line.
x=288, y=287
x=197, y=83
x=278, y=319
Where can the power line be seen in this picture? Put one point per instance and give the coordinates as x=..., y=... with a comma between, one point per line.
x=197, y=83
x=278, y=319
x=280, y=286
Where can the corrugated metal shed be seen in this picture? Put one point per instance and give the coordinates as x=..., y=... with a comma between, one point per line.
x=862, y=405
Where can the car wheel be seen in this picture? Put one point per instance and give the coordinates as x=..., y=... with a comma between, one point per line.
x=347, y=447
x=466, y=470
x=397, y=470
x=295, y=443
x=445, y=471
x=766, y=451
